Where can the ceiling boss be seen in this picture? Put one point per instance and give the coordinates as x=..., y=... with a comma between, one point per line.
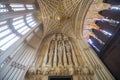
x=60, y=16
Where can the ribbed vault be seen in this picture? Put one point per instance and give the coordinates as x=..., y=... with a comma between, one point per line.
x=63, y=16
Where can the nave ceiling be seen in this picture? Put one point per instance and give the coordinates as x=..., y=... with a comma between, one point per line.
x=66, y=16
x=63, y=16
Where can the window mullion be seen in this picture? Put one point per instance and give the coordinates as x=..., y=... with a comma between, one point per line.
x=10, y=21
x=26, y=21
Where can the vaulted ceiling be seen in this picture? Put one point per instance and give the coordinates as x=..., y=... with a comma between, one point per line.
x=63, y=16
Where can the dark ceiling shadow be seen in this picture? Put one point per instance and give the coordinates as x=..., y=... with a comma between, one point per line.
x=112, y=2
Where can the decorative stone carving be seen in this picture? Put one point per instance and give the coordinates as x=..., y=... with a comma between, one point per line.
x=67, y=46
x=52, y=45
x=65, y=71
x=62, y=60
x=51, y=53
x=55, y=55
x=71, y=70
x=52, y=71
x=60, y=53
x=46, y=70
x=85, y=70
x=39, y=71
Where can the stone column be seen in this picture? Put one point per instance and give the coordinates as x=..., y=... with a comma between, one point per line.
x=69, y=59
x=55, y=55
x=51, y=52
x=74, y=56
x=50, y=58
x=64, y=56
x=60, y=52
x=68, y=51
